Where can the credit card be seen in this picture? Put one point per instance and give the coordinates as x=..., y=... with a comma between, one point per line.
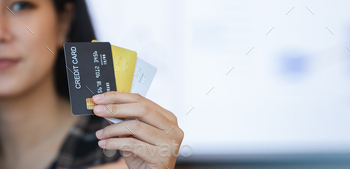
x=124, y=66
x=90, y=71
x=143, y=77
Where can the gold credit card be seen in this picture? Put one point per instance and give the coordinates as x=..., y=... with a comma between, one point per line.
x=124, y=61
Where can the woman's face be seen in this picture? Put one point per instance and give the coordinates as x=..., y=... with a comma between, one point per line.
x=30, y=34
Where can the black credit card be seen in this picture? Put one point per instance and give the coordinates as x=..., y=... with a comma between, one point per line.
x=90, y=71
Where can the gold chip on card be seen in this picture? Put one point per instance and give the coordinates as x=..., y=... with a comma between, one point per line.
x=90, y=104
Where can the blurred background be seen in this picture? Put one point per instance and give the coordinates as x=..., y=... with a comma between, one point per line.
x=254, y=83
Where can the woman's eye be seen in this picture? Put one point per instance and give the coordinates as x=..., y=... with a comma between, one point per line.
x=21, y=6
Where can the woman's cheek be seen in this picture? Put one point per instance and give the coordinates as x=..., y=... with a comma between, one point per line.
x=35, y=39
x=42, y=46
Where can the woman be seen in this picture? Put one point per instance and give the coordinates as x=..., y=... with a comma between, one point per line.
x=37, y=129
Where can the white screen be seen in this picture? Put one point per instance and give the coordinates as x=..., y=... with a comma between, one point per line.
x=289, y=90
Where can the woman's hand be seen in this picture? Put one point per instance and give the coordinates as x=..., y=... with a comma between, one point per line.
x=152, y=141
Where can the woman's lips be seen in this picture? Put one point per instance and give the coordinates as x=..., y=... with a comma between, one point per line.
x=7, y=63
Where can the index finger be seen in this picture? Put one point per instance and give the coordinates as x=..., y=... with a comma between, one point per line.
x=114, y=97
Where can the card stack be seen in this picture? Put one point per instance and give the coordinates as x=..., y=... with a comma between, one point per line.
x=98, y=67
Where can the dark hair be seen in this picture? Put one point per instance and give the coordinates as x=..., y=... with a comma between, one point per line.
x=81, y=31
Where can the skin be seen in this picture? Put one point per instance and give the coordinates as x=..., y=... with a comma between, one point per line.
x=27, y=91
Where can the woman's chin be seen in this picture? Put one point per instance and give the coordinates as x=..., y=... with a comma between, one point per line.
x=8, y=90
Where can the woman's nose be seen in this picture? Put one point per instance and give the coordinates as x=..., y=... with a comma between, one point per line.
x=5, y=35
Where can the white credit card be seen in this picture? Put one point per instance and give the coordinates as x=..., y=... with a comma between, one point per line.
x=143, y=76
x=114, y=120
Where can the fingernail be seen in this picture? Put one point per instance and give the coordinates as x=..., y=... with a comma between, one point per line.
x=98, y=97
x=102, y=143
x=99, y=133
x=99, y=109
